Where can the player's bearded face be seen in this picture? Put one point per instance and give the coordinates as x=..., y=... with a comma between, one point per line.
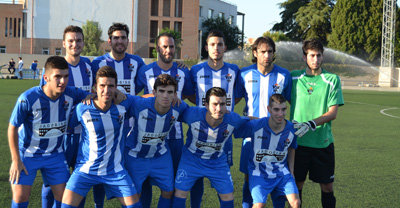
x=166, y=49
x=313, y=59
x=216, y=48
x=277, y=112
x=264, y=55
x=118, y=41
x=73, y=43
x=216, y=107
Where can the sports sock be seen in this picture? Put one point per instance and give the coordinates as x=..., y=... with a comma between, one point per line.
x=278, y=201
x=164, y=203
x=98, y=195
x=67, y=206
x=19, y=205
x=146, y=194
x=226, y=204
x=328, y=200
x=47, y=197
x=179, y=202
x=196, y=194
x=247, y=200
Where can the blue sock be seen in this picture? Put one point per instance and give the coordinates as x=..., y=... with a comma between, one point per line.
x=226, y=204
x=247, y=200
x=57, y=204
x=164, y=203
x=196, y=194
x=179, y=202
x=47, y=197
x=146, y=194
x=278, y=201
x=67, y=206
x=19, y=205
x=136, y=205
x=98, y=195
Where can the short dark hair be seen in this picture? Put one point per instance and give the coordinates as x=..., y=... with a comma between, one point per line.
x=215, y=33
x=55, y=62
x=276, y=98
x=165, y=34
x=117, y=27
x=258, y=42
x=216, y=91
x=107, y=71
x=313, y=44
x=73, y=28
x=165, y=80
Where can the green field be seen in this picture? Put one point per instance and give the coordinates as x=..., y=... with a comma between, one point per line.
x=367, y=144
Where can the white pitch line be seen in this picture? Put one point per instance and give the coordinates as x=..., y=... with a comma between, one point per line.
x=381, y=111
x=386, y=114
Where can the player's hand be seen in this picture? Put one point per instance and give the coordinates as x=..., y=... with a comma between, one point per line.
x=88, y=98
x=303, y=128
x=176, y=101
x=15, y=171
x=181, y=64
x=119, y=97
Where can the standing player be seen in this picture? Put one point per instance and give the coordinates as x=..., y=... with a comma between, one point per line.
x=146, y=78
x=203, y=154
x=147, y=155
x=100, y=156
x=213, y=73
x=80, y=76
x=316, y=97
x=34, y=68
x=271, y=156
x=257, y=83
x=20, y=67
x=41, y=113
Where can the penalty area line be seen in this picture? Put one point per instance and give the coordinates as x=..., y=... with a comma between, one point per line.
x=386, y=114
x=381, y=111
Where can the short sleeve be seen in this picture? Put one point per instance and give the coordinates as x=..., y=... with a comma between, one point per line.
x=20, y=111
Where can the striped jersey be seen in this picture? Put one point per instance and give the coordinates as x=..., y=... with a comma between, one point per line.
x=204, y=78
x=102, y=137
x=43, y=122
x=207, y=142
x=268, y=156
x=257, y=88
x=148, y=74
x=126, y=70
x=147, y=140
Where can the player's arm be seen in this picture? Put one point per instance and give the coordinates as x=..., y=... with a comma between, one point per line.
x=312, y=124
x=16, y=163
x=290, y=160
x=191, y=98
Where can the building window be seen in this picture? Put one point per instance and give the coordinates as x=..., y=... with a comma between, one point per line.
x=15, y=27
x=178, y=27
x=58, y=51
x=230, y=20
x=24, y=25
x=6, y=29
x=178, y=8
x=153, y=31
x=19, y=27
x=154, y=7
x=167, y=8
x=200, y=11
x=45, y=51
x=210, y=13
x=165, y=24
x=10, y=28
x=2, y=49
x=221, y=15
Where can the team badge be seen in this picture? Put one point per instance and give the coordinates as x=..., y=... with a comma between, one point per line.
x=120, y=119
x=310, y=90
x=287, y=142
x=228, y=77
x=172, y=121
x=88, y=72
x=66, y=105
x=226, y=133
x=177, y=77
x=181, y=174
x=131, y=67
x=276, y=88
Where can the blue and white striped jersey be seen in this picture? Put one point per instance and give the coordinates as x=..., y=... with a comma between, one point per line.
x=268, y=157
x=147, y=140
x=43, y=122
x=204, y=78
x=103, y=137
x=126, y=70
x=257, y=88
x=207, y=142
x=148, y=74
x=80, y=76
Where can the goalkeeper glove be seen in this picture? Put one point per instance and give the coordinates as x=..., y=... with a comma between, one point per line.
x=302, y=128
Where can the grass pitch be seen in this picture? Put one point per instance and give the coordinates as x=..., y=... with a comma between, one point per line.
x=367, y=143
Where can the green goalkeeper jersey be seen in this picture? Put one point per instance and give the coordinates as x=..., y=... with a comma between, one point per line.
x=311, y=97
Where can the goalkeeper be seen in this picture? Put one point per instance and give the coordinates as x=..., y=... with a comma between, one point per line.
x=316, y=97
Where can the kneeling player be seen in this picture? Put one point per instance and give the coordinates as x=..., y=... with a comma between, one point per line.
x=100, y=157
x=271, y=158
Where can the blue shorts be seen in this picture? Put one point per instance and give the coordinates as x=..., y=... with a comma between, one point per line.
x=175, y=146
x=158, y=169
x=53, y=168
x=192, y=168
x=71, y=147
x=244, y=155
x=261, y=186
x=116, y=185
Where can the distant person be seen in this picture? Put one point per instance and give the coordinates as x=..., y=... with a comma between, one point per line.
x=20, y=67
x=11, y=66
x=34, y=68
x=316, y=97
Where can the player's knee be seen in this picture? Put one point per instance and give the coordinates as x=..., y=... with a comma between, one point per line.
x=181, y=194
x=258, y=205
x=226, y=197
x=20, y=193
x=167, y=194
x=326, y=187
x=295, y=203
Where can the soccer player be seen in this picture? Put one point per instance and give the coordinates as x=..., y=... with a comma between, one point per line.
x=20, y=67
x=100, y=155
x=147, y=155
x=257, y=83
x=80, y=76
x=213, y=73
x=34, y=68
x=41, y=113
x=145, y=79
x=316, y=97
x=271, y=156
x=203, y=154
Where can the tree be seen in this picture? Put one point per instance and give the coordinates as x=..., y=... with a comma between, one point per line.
x=231, y=33
x=314, y=20
x=92, y=33
x=276, y=36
